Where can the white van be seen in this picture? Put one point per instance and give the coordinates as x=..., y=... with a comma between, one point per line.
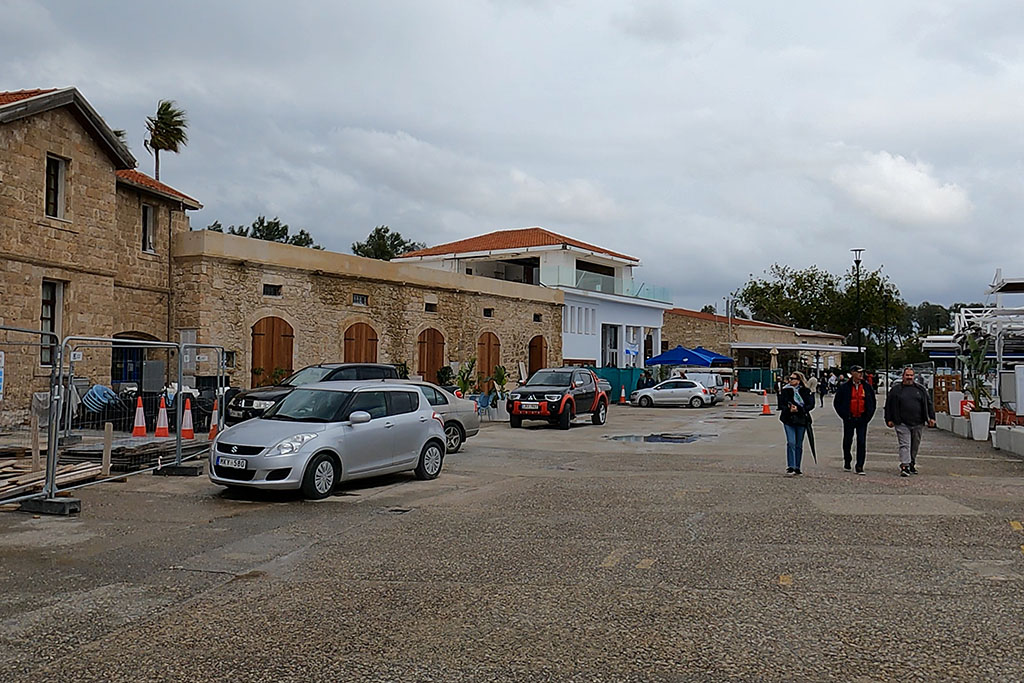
x=712, y=380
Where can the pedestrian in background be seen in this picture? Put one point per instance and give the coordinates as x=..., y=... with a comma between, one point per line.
x=795, y=405
x=855, y=402
x=822, y=390
x=812, y=384
x=908, y=407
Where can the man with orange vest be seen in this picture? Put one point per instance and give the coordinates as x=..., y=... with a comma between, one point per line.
x=855, y=404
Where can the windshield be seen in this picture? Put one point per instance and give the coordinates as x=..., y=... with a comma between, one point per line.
x=550, y=379
x=309, y=405
x=306, y=376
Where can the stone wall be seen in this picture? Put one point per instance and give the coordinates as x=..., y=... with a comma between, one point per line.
x=691, y=332
x=222, y=296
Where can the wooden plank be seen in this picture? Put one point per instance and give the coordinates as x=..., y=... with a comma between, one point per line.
x=34, y=426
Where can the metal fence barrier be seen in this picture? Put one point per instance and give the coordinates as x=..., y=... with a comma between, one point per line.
x=28, y=369
x=118, y=407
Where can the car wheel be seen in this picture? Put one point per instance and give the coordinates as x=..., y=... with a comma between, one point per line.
x=453, y=437
x=565, y=418
x=696, y=402
x=600, y=415
x=431, y=458
x=320, y=478
x=515, y=422
x=646, y=402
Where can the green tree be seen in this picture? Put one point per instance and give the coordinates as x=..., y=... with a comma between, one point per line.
x=383, y=244
x=272, y=230
x=787, y=296
x=708, y=308
x=168, y=131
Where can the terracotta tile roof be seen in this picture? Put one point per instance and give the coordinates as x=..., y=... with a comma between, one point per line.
x=519, y=238
x=9, y=96
x=140, y=178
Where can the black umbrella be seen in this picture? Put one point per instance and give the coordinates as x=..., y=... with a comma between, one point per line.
x=810, y=441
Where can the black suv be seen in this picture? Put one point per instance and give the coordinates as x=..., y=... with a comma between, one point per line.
x=558, y=395
x=246, y=405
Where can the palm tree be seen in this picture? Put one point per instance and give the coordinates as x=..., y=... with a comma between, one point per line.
x=167, y=131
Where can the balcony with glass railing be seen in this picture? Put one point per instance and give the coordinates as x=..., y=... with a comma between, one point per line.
x=606, y=284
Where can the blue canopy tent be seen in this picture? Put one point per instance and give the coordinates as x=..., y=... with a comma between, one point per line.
x=717, y=359
x=680, y=356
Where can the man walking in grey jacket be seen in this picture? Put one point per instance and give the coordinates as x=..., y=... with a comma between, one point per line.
x=908, y=408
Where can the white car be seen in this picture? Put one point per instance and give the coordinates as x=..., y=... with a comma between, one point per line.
x=324, y=433
x=672, y=392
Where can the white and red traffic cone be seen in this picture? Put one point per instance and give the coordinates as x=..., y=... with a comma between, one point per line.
x=140, y=419
x=186, y=421
x=161, y=420
x=765, y=408
x=214, y=419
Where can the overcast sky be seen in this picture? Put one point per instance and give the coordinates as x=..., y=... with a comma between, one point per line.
x=708, y=138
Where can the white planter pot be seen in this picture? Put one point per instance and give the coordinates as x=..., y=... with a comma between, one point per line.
x=979, y=424
x=954, y=398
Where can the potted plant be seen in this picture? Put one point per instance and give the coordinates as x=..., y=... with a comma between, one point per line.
x=977, y=366
x=446, y=376
x=465, y=376
x=500, y=379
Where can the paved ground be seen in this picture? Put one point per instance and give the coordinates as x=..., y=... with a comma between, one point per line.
x=542, y=555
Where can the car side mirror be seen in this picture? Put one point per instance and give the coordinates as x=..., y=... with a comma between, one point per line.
x=359, y=417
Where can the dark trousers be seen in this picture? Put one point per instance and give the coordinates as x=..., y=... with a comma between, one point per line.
x=861, y=428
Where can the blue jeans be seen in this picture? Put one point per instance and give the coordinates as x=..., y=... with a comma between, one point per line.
x=794, y=445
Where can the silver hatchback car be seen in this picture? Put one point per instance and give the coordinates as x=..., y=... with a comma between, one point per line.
x=673, y=392
x=321, y=434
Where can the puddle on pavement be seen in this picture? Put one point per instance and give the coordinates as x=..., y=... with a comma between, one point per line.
x=662, y=438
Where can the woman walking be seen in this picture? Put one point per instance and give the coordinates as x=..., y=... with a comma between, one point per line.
x=795, y=405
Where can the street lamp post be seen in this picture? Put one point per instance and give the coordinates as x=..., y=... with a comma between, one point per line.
x=856, y=261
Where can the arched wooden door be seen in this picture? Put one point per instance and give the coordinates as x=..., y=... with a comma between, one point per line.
x=488, y=355
x=430, y=348
x=272, y=340
x=360, y=344
x=538, y=353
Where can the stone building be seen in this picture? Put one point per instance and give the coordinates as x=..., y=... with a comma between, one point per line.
x=750, y=342
x=84, y=238
x=277, y=307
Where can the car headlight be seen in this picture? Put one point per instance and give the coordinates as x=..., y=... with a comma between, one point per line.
x=514, y=397
x=262, y=405
x=553, y=397
x=292, y=444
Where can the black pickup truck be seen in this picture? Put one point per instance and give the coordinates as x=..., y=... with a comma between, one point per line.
x=557, y=395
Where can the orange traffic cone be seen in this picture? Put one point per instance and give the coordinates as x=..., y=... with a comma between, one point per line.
x=622, y=395
x=214, y=419
x=186, y=421
x=765, y=408
x=161, y=420
x=140, y=419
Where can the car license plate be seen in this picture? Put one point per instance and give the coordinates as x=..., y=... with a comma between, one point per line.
x=237, y=463
x=234, y=413
x=529, y=405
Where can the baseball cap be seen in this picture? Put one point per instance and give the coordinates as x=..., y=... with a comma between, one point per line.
x=856, y=368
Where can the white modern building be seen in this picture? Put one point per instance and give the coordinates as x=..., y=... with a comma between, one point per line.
x=610, y=318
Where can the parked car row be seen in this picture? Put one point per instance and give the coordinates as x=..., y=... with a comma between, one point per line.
x=314, y=430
